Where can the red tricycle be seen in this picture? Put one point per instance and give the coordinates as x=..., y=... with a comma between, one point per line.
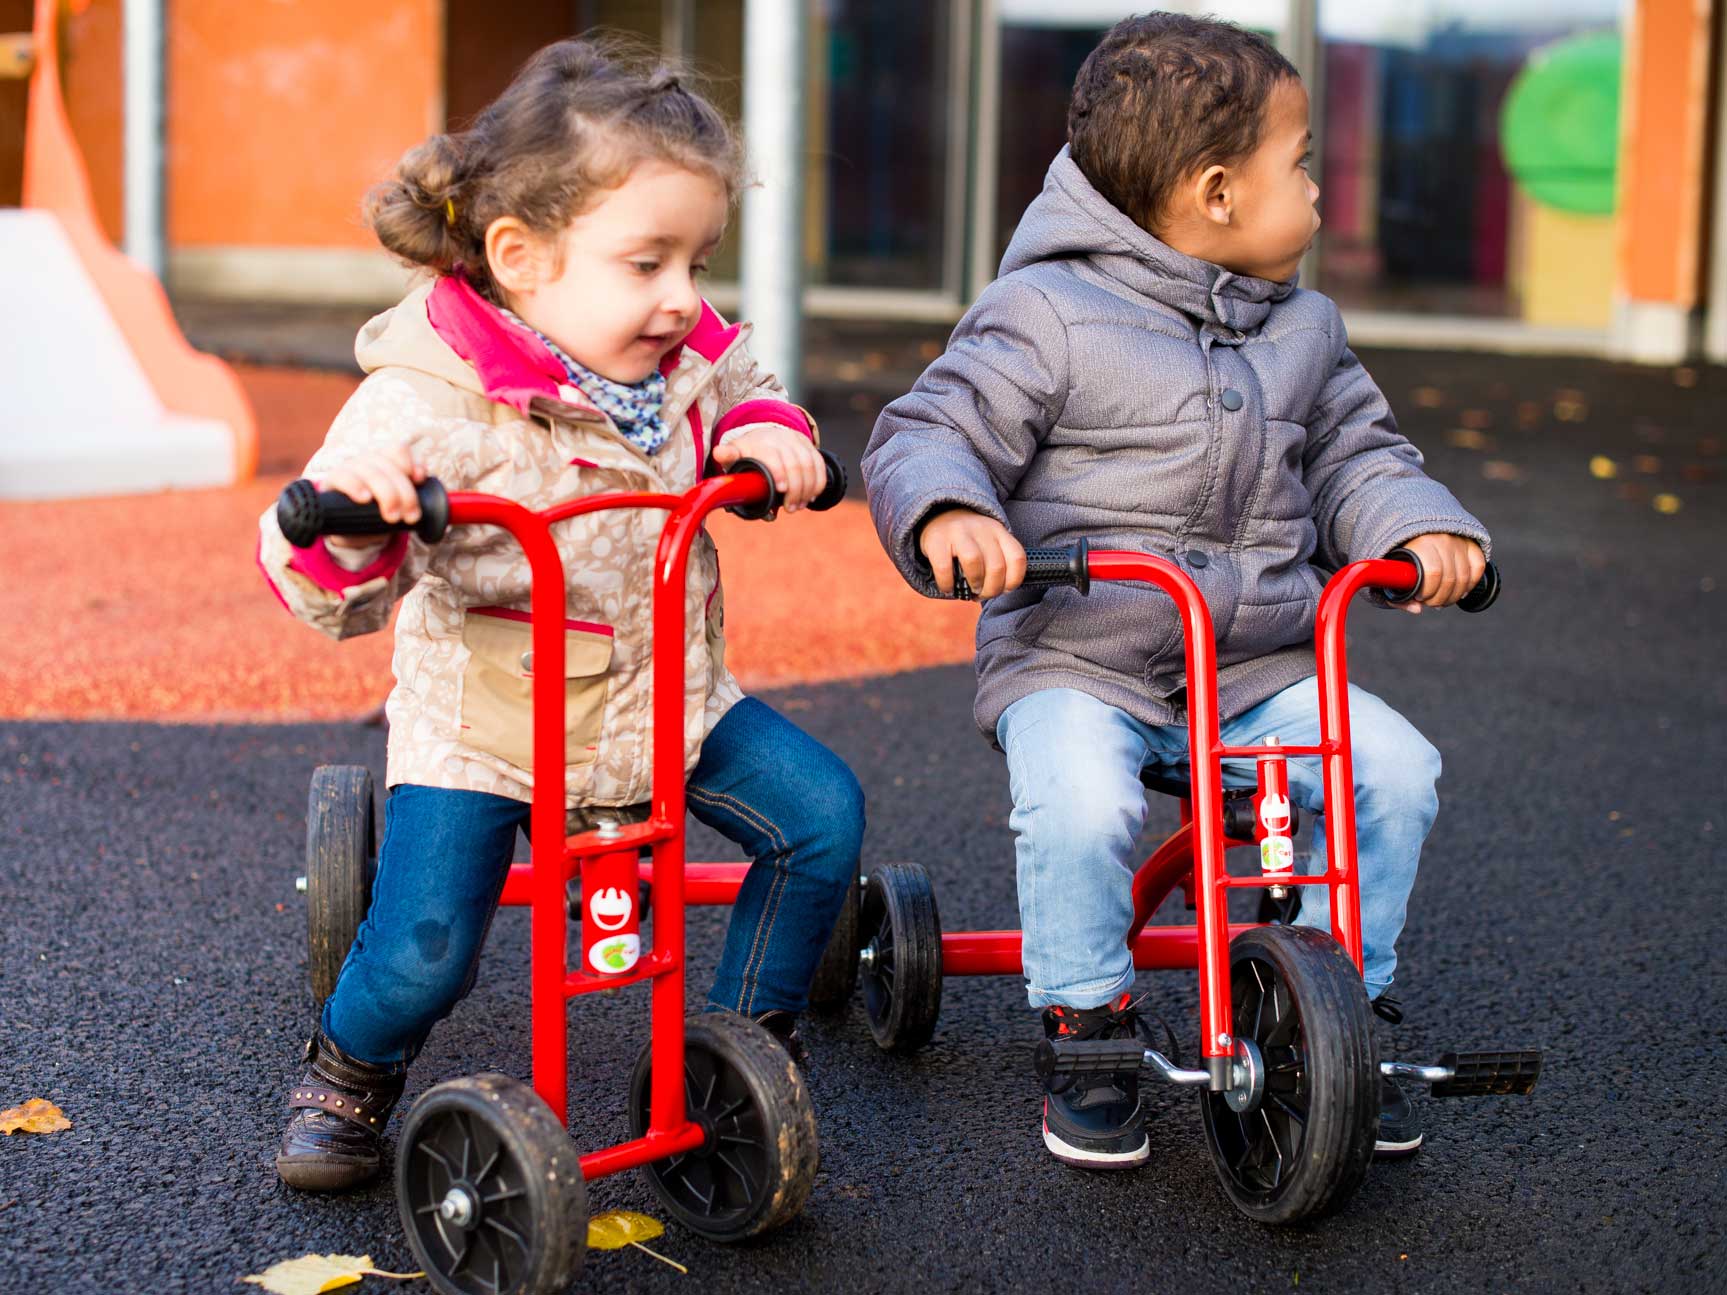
x=1289, y=1070
x=490, y=1188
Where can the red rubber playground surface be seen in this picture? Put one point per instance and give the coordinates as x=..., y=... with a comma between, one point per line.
x=151, y=606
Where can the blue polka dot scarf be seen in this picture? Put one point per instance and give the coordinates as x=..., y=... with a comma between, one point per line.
x=634, y=407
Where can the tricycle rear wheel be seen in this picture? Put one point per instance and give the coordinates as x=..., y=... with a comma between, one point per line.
x=341, y=844
x=900, y=966
x=1304, y=1148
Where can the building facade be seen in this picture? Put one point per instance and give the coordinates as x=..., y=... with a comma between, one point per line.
x=1525, y=173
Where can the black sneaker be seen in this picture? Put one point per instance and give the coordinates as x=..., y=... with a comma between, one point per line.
x=1399, y=1122
x=1094, y=1121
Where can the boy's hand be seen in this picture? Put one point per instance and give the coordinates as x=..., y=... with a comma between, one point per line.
x=987, y=552
x=791, y=459
x=387, y=476
x=1450, y=567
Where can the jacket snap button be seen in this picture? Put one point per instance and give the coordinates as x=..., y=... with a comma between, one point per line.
x=1231, y=399
x=528, y=662
x=1197, y=560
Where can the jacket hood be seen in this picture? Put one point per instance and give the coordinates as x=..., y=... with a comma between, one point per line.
x=1070, y=220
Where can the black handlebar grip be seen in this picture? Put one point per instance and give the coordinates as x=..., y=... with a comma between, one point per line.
x=831, y=493
x=1044, y=569
x=303, y=512
x=1478, y=599
x=1090, y=1056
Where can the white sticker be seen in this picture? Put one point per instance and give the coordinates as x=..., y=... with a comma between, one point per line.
x=610, y=909
x=615, y=954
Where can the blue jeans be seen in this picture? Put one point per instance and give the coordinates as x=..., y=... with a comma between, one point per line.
x=791, y=803
x=1074, y=765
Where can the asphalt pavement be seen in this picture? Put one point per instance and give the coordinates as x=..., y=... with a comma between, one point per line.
x=152, y=948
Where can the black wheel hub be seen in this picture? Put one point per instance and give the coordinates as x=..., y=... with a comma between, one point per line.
x=468, y=1203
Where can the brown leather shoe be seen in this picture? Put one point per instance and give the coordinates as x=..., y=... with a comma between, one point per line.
x=340, y=1107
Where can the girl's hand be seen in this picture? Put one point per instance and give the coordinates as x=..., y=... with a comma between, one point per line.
x=791, y=458
x=1450, y=567
x=993, y=561
x=388, y=476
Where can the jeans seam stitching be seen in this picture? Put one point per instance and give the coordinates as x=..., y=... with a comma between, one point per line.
x=769, y=917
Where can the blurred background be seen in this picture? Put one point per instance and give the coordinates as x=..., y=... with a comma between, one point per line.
x=1528, y=174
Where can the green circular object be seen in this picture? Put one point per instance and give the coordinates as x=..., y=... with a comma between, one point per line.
x=1559, y=128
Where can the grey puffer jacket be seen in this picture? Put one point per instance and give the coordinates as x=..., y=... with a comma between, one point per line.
x=1110, y=387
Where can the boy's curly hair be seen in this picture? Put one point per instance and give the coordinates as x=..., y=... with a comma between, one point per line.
x=1163, y=96
x=575, y=120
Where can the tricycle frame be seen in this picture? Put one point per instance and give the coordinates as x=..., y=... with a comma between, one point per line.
x=555, y=857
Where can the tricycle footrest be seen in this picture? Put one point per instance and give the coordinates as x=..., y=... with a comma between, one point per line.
x=1489, y=1074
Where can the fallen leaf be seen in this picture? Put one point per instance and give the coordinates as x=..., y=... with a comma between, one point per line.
x=1668, y=504
x=1570, y=411
x=1685, y=377
x=1603, y=468
x=1648, y=464
x=616, y=1229
x=38, y=1115
x=1428, y=397
x=310, y=1274
x=1467, y=438
x=1475, y=418
x=1500, y=470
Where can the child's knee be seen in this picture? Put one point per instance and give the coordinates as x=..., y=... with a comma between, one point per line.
x=1402, y=776
x=836, y=809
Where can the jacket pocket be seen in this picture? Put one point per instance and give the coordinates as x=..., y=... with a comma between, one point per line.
x=498, y=685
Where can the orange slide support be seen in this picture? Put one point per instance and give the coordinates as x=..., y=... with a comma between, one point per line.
x=55, y=180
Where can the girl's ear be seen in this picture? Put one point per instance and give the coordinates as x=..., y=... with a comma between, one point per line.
x=1212, y=196
x=514, y=255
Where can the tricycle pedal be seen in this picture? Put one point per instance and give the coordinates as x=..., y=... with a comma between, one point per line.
x=1474, y=1074
x=1086, y=1057
x=1489, y=1074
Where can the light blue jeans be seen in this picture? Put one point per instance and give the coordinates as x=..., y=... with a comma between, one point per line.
x=1078, y=804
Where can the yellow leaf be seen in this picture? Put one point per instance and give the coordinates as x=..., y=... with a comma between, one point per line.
x=310, y=1274
x=38, y=1115
x=616, y=1229
x=1668, y=504
x=1602, y=468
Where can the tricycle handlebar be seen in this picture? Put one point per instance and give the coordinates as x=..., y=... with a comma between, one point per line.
x=1046, y=568
x=304, y=512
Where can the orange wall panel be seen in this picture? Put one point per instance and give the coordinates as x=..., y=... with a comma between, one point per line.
x=1664, y=149
x=281, y=116
x=95, y=91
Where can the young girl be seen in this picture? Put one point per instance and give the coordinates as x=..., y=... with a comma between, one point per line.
x=561, y=349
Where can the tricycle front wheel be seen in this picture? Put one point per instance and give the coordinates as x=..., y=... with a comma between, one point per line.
x=754, y=1170
x=1303, y=1145
x=491, y=1190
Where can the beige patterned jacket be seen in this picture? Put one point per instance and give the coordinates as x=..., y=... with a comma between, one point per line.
x=485, y=407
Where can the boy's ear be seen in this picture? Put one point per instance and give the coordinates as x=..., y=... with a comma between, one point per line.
x=515, y=255
x=1212, y=196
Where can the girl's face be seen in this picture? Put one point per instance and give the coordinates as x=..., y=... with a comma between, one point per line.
x=619, y=289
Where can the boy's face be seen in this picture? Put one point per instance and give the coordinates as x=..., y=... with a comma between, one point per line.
x=1260, y=217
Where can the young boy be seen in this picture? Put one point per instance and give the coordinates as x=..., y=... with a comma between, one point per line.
x=1144, y=373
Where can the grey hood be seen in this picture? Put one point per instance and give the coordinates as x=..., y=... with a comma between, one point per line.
x=1070, y=219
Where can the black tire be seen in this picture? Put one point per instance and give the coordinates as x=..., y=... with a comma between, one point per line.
x=341, y=843
x=1306, y=1147
x=836, y=975
x=492, y=1140
x=901, y=968
x=756, y=1169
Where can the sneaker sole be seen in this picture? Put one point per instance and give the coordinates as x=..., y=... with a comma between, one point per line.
x=1393, y=1150
x=1083, y=1159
